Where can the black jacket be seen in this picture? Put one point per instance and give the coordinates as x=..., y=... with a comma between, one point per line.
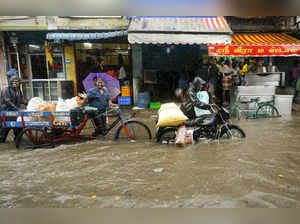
x=190, y=101
x=213, y=73
x=11, y=99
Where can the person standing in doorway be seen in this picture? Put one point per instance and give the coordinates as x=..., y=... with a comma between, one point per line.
x=228, y=71
x=122, y=75
x=213, y=77
x=294, y=74
x=99, y=65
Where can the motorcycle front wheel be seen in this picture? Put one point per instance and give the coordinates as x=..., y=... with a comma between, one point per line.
x=233, y=132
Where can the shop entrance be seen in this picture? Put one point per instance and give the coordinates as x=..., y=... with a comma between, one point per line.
x=165, y=65
x=94, y=57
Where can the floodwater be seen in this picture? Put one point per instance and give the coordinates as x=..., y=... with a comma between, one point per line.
x=261, y=171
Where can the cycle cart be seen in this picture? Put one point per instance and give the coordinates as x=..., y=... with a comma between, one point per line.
x=42, y=129
x=253, y=108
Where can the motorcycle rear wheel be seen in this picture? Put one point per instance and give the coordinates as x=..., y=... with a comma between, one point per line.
x=167, y=136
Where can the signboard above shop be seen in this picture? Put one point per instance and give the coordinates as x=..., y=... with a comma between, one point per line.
x=257, y=45
x=236, y=50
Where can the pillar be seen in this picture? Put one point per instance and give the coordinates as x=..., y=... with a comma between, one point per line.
x=3, y=63
x=71, y=66
x=137, y=70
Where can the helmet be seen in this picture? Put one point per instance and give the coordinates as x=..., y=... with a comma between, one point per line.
x=198, y=81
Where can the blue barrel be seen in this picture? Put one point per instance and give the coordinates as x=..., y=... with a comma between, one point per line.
x=144, y=100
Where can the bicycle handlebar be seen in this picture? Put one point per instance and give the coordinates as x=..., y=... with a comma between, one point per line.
x=114, y=106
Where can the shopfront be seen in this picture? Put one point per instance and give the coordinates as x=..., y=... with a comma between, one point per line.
x=274, y=62
x=26, y=52
x=273, y=49
x=111, y=49
x=166, y=47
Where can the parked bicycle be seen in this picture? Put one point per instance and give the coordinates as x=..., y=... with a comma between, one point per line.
x=254, y=108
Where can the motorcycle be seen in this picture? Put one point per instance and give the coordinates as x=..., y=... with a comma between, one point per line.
x=213, y=126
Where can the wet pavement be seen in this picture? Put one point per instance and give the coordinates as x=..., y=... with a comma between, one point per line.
x=261, y=171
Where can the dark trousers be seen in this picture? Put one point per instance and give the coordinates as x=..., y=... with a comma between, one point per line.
x=100, y=123
x=226, y=96
x=4, y=131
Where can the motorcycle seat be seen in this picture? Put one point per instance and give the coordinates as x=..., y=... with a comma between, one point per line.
x=202, y=120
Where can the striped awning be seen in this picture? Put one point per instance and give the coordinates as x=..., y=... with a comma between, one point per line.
x=264, y=39
x=263, y=44
x=179, y=30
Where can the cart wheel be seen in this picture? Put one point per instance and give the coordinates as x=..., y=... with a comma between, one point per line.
x=33, y=138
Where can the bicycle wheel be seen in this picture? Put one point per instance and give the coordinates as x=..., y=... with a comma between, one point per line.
x=33, y=138
x=233, y=132
x=133, y=130
x=267, y=111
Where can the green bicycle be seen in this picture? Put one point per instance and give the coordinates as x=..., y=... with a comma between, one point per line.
x=262, y=109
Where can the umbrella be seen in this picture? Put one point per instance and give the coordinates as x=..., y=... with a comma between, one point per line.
x=112, y=84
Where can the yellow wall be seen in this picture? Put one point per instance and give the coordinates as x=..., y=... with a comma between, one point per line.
x=70, y=65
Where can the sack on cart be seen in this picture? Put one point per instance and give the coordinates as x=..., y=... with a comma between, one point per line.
x=170, y=115
x=67, y=105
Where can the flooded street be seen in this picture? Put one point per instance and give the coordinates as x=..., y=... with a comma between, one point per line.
x=261, y=171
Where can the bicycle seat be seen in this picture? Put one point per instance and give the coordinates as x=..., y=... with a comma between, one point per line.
x=245, y=100
x=255, y=99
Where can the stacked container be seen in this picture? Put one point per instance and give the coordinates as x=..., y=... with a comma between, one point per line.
x=126, y=96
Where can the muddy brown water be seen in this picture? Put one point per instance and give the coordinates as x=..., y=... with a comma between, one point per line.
x=261, y=171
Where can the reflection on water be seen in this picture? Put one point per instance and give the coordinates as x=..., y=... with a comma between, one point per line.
x=211, y=174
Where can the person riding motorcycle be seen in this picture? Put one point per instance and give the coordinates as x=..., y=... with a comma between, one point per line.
x=191, y=100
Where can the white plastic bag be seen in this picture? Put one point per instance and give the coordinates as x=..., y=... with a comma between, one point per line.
x=66, y=105
x=62, y=105
x=203, y=97
x=170, y=115
x=35, y=103
x=180, y=136
x=71, y=103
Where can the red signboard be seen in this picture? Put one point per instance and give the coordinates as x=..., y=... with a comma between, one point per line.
x=253, y=50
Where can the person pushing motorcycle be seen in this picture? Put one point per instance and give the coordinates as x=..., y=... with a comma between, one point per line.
x=191, y=100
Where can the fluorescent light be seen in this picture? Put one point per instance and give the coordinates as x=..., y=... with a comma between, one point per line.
x=88, y=45
x=34, y=46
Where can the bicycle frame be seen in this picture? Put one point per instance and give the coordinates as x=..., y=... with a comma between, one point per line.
x=114, y=124
x=256, y=106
